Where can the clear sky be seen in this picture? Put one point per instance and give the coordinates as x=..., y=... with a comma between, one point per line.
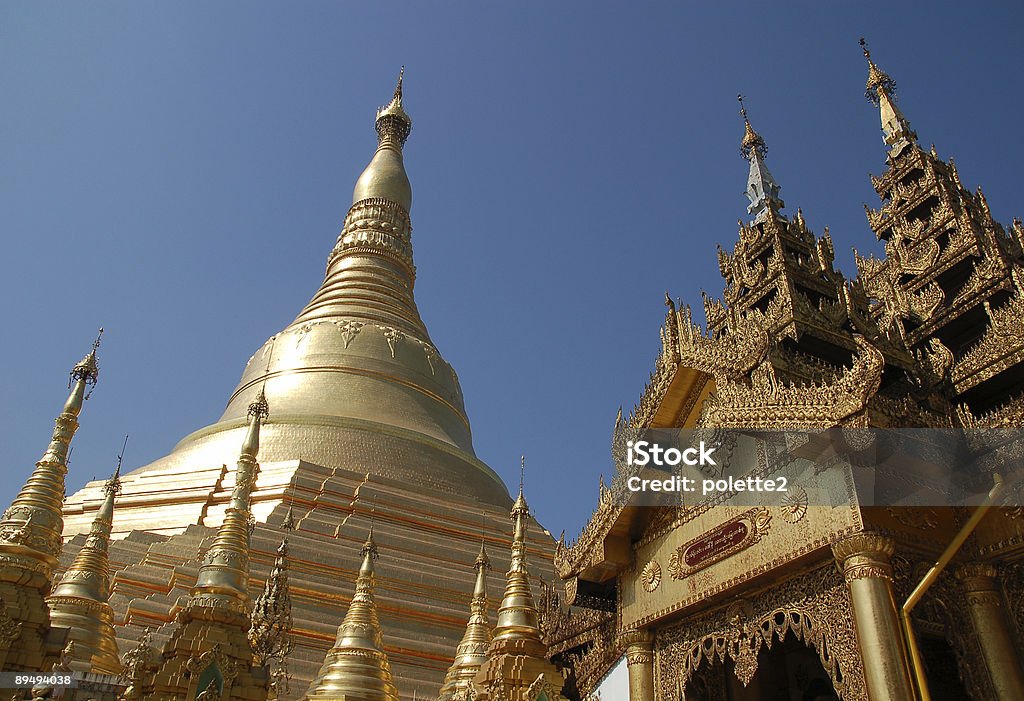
x=178, y=172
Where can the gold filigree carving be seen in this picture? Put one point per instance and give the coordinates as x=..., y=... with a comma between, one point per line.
x=651, y=576
x=794, y=504
x=719, y=543
x=814, y=607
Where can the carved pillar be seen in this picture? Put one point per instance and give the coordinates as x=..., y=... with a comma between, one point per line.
x=639, y=646
x=864, y=559
x=990, y=624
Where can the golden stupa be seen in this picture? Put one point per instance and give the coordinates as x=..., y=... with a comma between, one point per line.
x=367, y=416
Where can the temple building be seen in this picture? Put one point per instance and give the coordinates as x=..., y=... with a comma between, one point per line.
x=344, y=555
x=821, y=593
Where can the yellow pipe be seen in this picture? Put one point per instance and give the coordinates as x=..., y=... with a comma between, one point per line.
x=933, y=573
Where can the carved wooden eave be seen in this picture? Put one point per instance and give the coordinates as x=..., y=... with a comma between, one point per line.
x=604, y=548
x=681, y=402
x=1000, y=348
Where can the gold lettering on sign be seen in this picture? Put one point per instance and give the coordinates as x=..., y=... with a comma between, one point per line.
x=719, y=543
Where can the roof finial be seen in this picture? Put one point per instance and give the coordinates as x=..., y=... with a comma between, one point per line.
x=752, y=142
x=880, y=90
x=522, y=473
x=270, y=357
x=288, y=523
x=878, y=80
x=370, y=547
x=762, y=190
x=114, y=483
x=393, y=124
x=260, y=409
x=88, y=369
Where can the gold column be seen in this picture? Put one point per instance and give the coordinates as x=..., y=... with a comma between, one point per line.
x=989, y=618
x=640, y=663
x=864, y=559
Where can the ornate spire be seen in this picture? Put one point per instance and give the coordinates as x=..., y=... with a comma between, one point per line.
x=881, y=92
x=471, y=652
x=517, y=661
x=272, y=613
x=517, y=615
x=392, y=121
x=357, y=667
x=79, y=602
x=136, y=664
x=385, y=177
x=223, y=578
x=762, y=190
x=31, y=528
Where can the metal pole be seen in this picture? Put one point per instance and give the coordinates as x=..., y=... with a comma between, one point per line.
x=933, y=573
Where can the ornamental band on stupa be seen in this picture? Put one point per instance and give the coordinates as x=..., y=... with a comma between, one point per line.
x=208, y=601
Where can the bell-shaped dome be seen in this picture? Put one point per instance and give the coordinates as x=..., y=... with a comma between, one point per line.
x=355, y=380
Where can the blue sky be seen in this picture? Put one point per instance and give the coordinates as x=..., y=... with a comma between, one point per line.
x=178, y=172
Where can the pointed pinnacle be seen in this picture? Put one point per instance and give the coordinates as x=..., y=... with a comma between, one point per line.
x=120, y=457
x=481, y=559
x=398, y=86
x=522, y=473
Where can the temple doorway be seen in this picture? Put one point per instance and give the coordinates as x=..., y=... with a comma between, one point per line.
x=789, y=671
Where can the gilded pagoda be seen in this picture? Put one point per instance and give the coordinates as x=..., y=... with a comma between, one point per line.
x=348, y=415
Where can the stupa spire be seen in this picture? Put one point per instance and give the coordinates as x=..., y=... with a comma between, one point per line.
x=471, y=652
x=356, y=667
x=880, y=90
x=32, y=526
x=385, y=177
x=79, y=602
x=393, y=123
x=762, y=189
x=518, y=615
x=224, y=574
x=210, y=635
x=517, y=667
x=376, y=237
x=270, y=634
